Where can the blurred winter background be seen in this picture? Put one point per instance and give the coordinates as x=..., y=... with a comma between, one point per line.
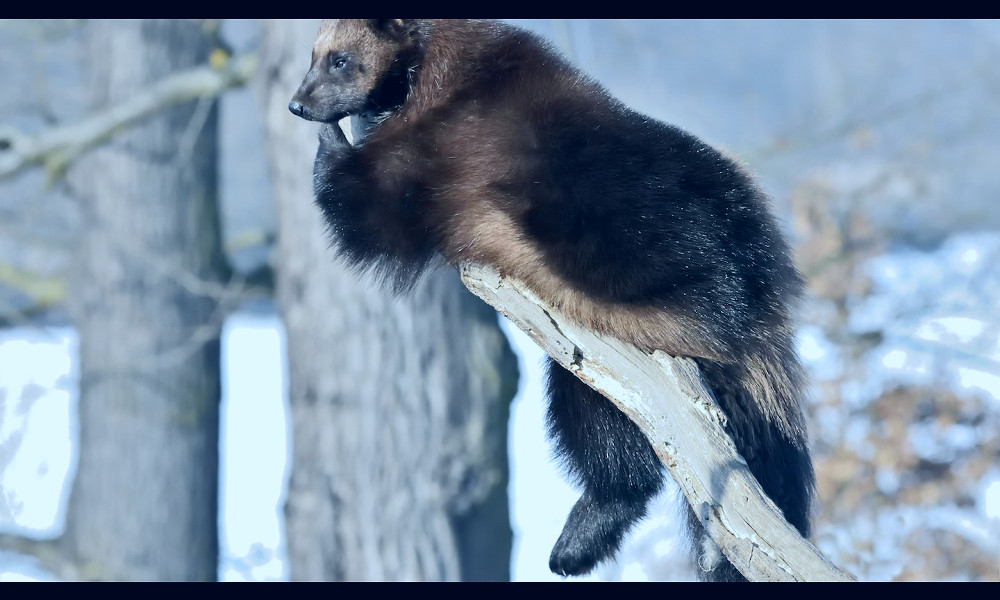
x=879, y=143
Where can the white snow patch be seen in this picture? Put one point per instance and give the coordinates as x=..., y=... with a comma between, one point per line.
x=988, y=499
x=937, y=316
x=38, y=383
x=255, y=451
x=961, y=330
x=818, y=354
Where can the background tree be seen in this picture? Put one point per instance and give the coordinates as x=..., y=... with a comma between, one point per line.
x=399, y=406
x=144, y=503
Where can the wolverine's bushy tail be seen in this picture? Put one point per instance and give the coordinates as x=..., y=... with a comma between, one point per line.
x=761, y=398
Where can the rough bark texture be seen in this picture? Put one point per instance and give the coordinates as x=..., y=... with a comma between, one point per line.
x=399, y=407
x=144, y=504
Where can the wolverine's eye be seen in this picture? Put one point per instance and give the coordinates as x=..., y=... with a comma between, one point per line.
x=337, y=62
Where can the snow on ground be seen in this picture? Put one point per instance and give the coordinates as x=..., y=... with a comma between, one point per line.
x=932, y=318
x=938, y=314
x=255, y=446
x=37, y=443
x=38, y=383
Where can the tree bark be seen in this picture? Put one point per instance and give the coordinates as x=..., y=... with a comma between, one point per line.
x=144, y=503
x=399, y=406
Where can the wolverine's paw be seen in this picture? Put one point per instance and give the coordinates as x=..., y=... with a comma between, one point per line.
x=592, y=533
x=573, y=555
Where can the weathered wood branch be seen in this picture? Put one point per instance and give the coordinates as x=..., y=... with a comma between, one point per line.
x=666, y=397
x=56, y=148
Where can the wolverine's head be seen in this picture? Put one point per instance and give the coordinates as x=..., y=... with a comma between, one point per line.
x=357, y=65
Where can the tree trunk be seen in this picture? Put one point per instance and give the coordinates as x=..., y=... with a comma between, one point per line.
x=399, y=406
x=144, y=503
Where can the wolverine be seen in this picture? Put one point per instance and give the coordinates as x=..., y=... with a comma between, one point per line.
x=482, y=144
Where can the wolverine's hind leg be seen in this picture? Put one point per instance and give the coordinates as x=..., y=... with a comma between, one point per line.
x=608, y=454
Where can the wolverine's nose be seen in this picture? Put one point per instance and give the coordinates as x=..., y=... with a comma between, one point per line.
x=296, y=108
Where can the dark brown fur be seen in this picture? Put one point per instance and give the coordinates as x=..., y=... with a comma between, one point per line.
x=483, y=145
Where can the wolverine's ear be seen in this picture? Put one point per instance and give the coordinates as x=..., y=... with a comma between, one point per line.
x=398, y=29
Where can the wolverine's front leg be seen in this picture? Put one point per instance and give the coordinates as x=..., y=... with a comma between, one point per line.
x=375, y=205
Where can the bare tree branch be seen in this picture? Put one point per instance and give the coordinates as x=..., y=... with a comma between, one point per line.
x=44, y=291
x=666, y=398
x=56, y=148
